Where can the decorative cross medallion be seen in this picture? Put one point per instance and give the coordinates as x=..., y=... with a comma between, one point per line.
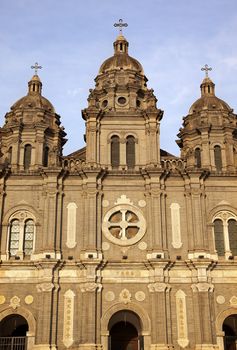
x=36, y=67
x=120, y=25
x=206, y=68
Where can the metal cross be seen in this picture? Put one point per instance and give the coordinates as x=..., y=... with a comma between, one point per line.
x=120, y=25
x=206, y=68
x=36, y=67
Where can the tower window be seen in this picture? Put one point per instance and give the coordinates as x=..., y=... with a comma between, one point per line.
x=217, y=157
x=232, y=230
x=27, y=156
x=219, y=237
x=225, y=234
x=28, y=237
x=115, y=150
x=121, y=46
x=21, y=235
x=198, y=157
x=45, y=156
x=130, y=152
x=14, y=237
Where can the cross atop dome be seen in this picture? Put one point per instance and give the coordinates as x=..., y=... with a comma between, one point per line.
x=36, y=67
x=120, y=25
x=206, y=69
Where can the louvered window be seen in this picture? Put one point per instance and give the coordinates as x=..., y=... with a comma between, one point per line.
x=45, y=156
x=130, y=152
x=219, y=237
x=198, y=157
x=115, y=150
x=232, y=229
x=28, y=237
x=27, y=156
x=14, y=237
x=217, y=157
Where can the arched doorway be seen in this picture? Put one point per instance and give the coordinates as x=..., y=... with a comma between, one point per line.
x=230, y=330
x=125, y=331
x=13, y=329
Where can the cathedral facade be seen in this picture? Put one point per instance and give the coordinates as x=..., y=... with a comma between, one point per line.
x=119, y=245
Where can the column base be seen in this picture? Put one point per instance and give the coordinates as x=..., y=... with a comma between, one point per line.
x=90, y=347
x=44, y=347
x=207, y=347
x=161, y=347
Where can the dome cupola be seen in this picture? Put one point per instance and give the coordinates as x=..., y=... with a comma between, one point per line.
x=32, y=136
x=121, y=113
x=208, y=135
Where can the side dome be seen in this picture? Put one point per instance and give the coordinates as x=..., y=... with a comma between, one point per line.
x=121, y=59
x=34, y=99
x=208, y=99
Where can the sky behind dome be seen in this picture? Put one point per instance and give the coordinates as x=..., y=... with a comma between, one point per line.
x=172, y=39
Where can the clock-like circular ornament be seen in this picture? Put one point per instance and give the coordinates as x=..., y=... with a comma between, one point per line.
x=124, y=225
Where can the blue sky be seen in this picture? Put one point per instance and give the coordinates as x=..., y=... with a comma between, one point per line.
x=172, y=39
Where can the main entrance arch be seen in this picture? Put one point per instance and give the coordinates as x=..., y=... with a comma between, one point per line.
x=13, y=330
x=230, y=331
x=125, y=331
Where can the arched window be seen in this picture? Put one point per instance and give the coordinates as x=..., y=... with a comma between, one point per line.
x=232, y=230
x=14, y=237
x=198, y=157
x=45, y=156
x=21, y=234
x=219, y=237
x=225, y=234
x=130, y=151
x=217, y=157
x=27, y=156
x=115, y=150
x=28, y=237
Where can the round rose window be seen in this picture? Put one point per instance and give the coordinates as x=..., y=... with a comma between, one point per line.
x=124, y=225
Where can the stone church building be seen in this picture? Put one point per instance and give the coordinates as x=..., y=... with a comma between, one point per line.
x=119, y=245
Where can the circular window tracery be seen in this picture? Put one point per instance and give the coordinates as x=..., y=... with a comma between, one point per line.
x=124, y=225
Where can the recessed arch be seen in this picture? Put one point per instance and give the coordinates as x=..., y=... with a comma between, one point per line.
x=24, y=313
x=140, y=312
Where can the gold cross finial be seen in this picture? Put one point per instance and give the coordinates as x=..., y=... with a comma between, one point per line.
x=36, y=67
x=206, y=68
x=120, y=25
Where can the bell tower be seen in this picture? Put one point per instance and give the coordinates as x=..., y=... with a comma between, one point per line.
x=208, y=137
x=32, y=136
x=122, y=119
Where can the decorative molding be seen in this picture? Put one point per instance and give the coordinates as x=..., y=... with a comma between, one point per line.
x=123, y=200
x=158, y=287
x=2, y=299
x=90, y=287
x=68, y=318
x=125, y=296
x=142, y=203
x=202, y=287
x=220, y=299
x=233, y=301
x=71, y=225
x=142, y=245
x=105, y=203
x=45, y=287
x=15, y=302
x=140, y=295
x=29, y=299
x=109, y=296
x=181, y=313
x=175, y=225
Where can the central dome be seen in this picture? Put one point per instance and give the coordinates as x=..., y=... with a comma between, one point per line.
x=121, y=59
